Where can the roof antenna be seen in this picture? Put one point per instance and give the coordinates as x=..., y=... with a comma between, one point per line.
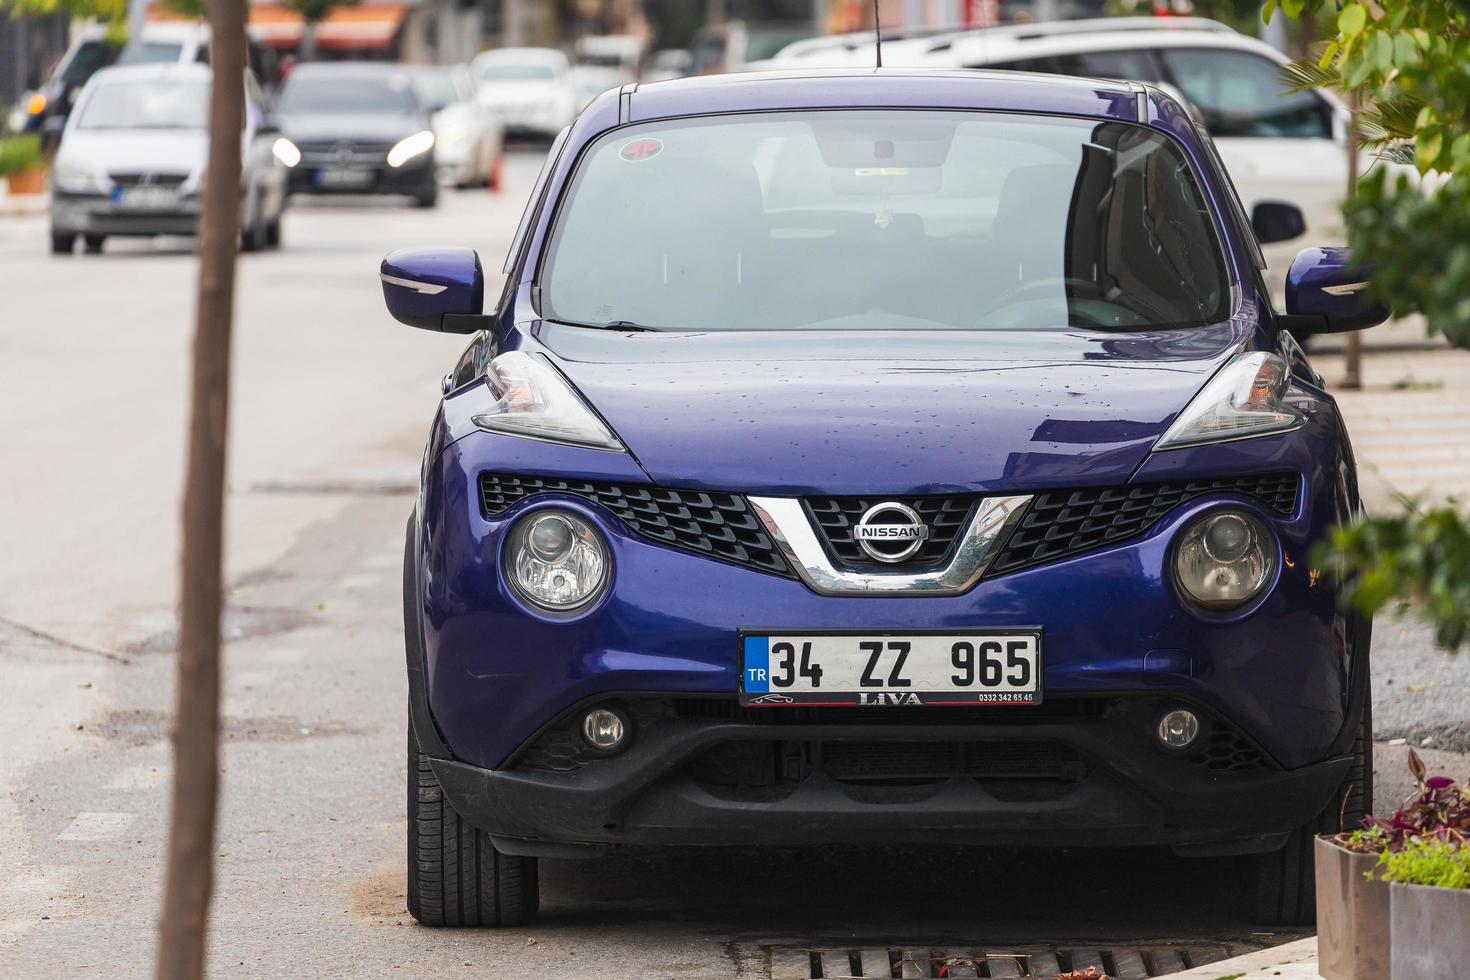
x=877, y=35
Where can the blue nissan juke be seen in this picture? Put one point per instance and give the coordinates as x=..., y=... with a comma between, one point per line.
x=880, y=456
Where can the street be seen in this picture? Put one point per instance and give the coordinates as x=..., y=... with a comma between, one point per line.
x=330, y=405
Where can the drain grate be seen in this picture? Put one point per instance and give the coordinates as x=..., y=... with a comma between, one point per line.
x=981, y=960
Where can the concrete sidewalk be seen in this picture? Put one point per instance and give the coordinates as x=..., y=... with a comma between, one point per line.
x=1293, y=961
x=17, y=205
x=1408, y=422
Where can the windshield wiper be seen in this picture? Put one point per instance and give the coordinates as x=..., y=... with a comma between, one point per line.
x=628, y=325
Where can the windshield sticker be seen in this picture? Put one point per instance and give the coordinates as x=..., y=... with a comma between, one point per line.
x=881, y=172
x=640, y=149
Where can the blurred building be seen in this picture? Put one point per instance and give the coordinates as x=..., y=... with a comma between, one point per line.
x=842, y=16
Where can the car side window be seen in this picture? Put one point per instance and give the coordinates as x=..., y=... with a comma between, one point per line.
x=1242, y=94
x=1136, y=65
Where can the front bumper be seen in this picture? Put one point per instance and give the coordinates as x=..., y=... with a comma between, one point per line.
x=96, y=214
x=415, y=178
x=1081, y=772
x=1279, y=676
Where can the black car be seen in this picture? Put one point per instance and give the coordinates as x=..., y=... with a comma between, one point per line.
x=356, y=129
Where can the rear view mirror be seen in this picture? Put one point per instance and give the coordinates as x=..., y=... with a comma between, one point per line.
x=1277, y=221
x=439, y=289
x=1324, y=294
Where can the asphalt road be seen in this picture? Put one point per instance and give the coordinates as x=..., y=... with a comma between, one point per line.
x=331, y=403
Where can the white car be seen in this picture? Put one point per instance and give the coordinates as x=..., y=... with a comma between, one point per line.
x=1276, y=146
x=469, y=140
x=132, y=158
x=531, y=90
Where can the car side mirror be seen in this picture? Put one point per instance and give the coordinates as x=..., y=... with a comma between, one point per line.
x=51, y=131
x=1277, y=221
x=441, y=289
x=1324, y=294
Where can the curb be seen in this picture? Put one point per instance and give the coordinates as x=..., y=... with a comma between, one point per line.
x=1292, y=961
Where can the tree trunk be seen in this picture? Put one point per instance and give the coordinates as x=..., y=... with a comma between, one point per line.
x=1352, y=362
x=183, y=927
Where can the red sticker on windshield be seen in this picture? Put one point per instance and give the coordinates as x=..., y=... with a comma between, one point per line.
x=643, y=149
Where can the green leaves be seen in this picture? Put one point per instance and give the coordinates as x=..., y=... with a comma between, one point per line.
x=1419, y=558
x=1352, y=20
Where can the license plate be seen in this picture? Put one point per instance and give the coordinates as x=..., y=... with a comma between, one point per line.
x=145, y=198
x=986, y=666
x=343, y=177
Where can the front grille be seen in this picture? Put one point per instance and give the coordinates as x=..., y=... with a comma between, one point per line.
x=1061, y=523
x=945, y=516
x=131, y=179
x=1052, y=710
x=319, y=152
x=721, y=525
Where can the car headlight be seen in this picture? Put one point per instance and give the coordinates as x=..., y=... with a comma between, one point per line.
x=409, y=147
x=287, y=152
x=1247, y=398
x=78, y=178
x=557, y=560
x=1224, y=559
x=534, y=401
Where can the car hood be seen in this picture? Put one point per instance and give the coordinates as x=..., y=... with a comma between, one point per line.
x=138, y=150
x=365, y=126
x=816, y=412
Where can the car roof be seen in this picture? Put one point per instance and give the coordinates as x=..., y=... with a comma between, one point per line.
x=982, y=49
x=916, y=88
x=161, y=72
x=349, y=69
x=976, y=46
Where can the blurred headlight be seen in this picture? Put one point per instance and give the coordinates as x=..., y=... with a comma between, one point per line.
x=36, y=104
x=414, y=146
x=1224, y=560
x=557, y=560
x=533, y=400
x=1247, y=398
x=287, y=152
x=78, y=178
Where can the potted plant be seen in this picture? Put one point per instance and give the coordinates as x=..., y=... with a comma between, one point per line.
x=1354, y=935
x=1430, y=901
x=23, y=164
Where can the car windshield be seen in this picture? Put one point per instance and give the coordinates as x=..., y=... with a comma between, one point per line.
x=151, y=52
x=874, y=219
x=435, y=89
x=515, y=71
x=358, y=92
x=175, y=104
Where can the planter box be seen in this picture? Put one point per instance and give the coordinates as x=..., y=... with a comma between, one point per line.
x=32, y=181
x=1431, y=932
x=1353, y=938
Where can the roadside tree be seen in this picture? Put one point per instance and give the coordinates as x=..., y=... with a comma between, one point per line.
x=1405, y=60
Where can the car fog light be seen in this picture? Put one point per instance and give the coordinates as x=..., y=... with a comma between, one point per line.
x=604, y=729
x=557, y=560
x=1178, y=729
x=1224, y=559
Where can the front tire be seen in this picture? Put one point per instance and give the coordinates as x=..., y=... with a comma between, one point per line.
x=455, y=875
x=63, y=243
x=1282, y=886
x=92, y=244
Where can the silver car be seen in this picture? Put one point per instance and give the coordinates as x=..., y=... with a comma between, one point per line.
x=132, y=158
